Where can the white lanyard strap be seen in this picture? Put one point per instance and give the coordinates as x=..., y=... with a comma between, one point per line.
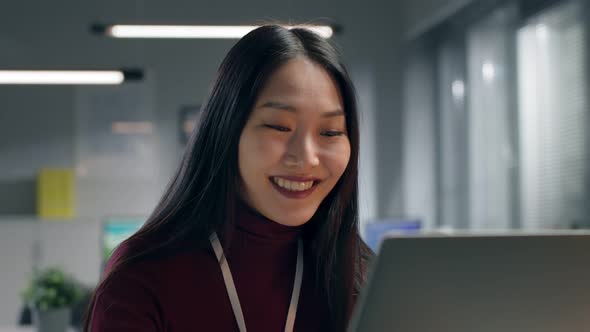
x=290, y=323
x=233, y=294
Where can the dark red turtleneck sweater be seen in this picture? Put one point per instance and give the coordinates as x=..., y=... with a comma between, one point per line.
x=185, y=292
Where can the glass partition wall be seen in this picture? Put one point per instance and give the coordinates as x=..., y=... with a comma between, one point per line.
x=512, y=117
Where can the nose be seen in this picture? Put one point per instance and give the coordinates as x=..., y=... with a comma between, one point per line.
x=302, y=151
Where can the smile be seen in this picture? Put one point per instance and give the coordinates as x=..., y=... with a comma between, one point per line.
x=292, y=185
x=294, y=188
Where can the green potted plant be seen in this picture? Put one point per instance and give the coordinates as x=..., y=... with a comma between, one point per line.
x=51, y=294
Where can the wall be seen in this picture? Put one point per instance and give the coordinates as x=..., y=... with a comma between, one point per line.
x=419, y=153
x=420, y=133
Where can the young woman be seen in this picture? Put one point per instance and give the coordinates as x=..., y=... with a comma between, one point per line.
x=258, y=229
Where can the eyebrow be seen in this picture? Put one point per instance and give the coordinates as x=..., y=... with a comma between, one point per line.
x=285, y=107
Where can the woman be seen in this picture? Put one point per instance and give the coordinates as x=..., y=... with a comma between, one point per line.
x=258, y=229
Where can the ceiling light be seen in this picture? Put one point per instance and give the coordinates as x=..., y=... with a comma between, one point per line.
x=488, y=71
x=68, y=77
x=193, y=31
x=458, y=89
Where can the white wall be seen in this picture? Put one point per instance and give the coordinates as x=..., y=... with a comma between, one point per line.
x=38, y=125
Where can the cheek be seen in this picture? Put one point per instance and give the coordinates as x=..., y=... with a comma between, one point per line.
x=258, y=152
x=337, y=158
x=267, y=151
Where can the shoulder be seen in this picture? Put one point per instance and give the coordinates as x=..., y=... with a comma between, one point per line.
x=139, y=293
x=156, y=268
x=164, y=275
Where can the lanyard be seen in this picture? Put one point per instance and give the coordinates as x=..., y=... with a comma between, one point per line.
x=233, y=294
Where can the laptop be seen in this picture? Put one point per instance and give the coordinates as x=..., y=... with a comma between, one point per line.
x=478, y=283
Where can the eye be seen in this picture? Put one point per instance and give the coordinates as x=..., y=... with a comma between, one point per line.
x=333, y=133
x=279, y=128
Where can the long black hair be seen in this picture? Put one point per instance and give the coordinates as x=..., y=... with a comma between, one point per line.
x=202, y=196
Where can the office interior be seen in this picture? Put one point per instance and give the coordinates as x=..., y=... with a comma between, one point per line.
x=474, y=117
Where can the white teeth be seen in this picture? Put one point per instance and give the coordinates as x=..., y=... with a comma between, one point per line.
x=292, y=185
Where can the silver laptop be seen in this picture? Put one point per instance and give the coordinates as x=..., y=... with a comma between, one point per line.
x=478, y=283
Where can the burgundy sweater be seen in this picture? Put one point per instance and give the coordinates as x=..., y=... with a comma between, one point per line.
x=186, y=292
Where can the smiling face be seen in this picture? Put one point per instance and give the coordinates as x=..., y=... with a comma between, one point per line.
x=294, y=146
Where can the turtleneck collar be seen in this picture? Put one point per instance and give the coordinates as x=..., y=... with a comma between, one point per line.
x=254, y=223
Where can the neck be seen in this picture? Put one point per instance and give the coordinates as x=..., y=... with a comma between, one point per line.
x=254, y=223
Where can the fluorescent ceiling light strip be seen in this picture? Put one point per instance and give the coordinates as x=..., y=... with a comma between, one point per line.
x=324, y=31
x=61, y=77
x=197, y=31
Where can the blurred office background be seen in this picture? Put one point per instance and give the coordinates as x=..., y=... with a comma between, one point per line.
x=474, y=116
